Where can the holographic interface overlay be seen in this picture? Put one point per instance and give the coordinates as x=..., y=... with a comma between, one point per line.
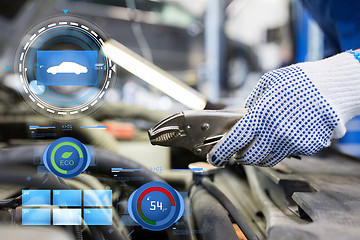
x=156, y=206
x=66, y=157
x=96, y=208
x=61, y=68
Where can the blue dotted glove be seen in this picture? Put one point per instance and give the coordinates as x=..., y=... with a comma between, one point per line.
x=287, y=116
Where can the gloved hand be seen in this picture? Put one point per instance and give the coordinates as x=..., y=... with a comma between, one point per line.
x=294, y=110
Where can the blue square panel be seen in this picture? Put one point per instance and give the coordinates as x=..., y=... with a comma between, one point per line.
x=67, y=216
x=66, y=68
x=97, y=198
x=32, y=216
x=97, y=216
x=35, y=197
x=67, y=198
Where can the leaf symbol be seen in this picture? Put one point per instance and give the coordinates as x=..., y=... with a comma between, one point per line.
x=66, y=155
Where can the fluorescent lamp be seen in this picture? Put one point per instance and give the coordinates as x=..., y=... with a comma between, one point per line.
x=153, y=75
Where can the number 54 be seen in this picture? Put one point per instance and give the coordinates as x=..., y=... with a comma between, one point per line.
x=154, y=204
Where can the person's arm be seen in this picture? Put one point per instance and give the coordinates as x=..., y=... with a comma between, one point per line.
x=294, y=110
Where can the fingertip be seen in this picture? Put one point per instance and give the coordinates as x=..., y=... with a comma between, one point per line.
x=215, y=159
x=211, y=158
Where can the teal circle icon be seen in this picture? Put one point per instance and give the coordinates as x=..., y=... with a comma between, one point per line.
x=66, y=157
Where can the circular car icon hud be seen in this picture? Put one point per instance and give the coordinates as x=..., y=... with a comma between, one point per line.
x=63, y=72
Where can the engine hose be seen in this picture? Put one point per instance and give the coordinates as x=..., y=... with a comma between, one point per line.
x=232, y=210
x=211, y=218
x=77, y=232
x=11, y=203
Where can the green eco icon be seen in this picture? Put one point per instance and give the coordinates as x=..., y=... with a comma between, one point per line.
x=66, y=155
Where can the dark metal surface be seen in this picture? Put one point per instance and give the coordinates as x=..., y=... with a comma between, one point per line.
x=316, y=198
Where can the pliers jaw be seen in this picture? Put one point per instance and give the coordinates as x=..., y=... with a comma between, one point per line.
x=197, y=131
x=167, y=132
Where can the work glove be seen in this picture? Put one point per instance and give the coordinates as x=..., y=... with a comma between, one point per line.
x=294, y=110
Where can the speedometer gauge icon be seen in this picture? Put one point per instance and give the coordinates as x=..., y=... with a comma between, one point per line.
x=156, y=206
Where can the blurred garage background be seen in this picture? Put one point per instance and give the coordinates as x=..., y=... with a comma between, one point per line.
x=218, y=47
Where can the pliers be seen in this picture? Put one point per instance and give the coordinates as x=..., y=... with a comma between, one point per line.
x=197, y=131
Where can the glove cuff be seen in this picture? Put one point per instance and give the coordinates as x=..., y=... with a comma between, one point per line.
x=338, y=80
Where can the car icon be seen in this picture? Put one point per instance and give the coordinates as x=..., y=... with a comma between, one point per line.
x=67, y=67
